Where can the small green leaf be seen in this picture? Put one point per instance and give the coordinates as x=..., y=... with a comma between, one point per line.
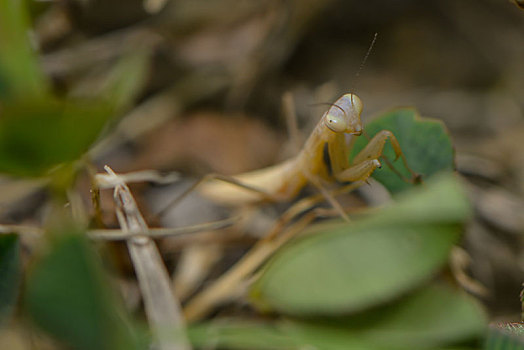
x=68, y=296
x=9, y=273
x=126, y=79
x=425, y=142
x=38, y=135
x=345, y=268
x=20, y=74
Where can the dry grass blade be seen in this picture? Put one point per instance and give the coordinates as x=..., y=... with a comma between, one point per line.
x=162, y=310
x=108, y=181
x=118, y=235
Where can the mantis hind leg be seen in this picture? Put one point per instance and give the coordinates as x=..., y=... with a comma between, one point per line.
x=367, y=160
x=217, y=177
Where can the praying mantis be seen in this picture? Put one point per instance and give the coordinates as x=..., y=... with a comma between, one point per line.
x=323, y=158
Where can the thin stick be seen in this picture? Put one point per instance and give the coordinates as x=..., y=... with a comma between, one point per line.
x=21, y=229
x=162, y=309
x=116, y=235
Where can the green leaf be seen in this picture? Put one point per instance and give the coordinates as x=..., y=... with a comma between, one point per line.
x=20, y=74
x=67, y=295
x=344, y=268
x=425, y=142
x=38, y=135
x=9, y=273
x=435, y=316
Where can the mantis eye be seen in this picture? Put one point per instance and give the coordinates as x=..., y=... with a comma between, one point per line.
x=335, y=123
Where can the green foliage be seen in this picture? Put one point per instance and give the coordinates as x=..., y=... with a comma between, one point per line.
x=68, y=296
x=433, y=317
x=425, y=143
x=349, y=267
x=37, y=130
x=9, y=273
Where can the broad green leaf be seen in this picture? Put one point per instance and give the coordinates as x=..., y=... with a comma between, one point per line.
x=344, y=268
x=68, y=296
x=435, y=316
x=425, y=142
x=9, y=273
x=289, y=335
x=20, y=74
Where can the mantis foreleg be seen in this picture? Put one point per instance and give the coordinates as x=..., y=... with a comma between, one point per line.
x=367, y=160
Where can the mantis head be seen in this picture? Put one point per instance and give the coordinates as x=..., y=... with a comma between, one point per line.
x=344, y=115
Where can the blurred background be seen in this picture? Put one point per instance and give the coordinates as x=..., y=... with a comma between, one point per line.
x=218, y=69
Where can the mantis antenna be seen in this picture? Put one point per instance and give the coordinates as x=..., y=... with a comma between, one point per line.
x=366, y=55
x=368, y=52
x=362, y=64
